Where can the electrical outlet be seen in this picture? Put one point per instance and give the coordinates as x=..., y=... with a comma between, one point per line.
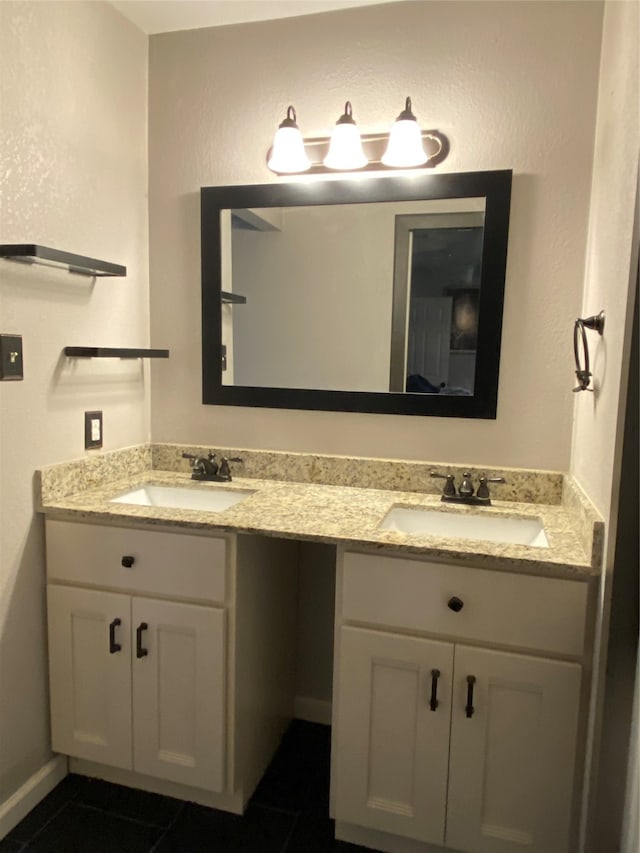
x=92, y=430
x=11, y=366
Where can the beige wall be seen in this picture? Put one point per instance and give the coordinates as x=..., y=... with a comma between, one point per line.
x=513, y=85
x=73, y=173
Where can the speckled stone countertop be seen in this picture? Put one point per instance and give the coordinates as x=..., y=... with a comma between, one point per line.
x=342, y=515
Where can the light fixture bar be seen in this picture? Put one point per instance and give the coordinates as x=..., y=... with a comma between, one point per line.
x=436, y=145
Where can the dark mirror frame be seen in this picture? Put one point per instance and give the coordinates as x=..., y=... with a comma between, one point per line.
x=494, y=186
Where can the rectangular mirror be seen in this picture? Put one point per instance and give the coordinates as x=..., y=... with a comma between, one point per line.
x=375, y=295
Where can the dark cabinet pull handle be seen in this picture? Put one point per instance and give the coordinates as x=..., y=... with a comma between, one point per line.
x=128, y=561
x=433, y=702
x=113, y=646
x=471, y=680
x=140, y=651
x=456, y=604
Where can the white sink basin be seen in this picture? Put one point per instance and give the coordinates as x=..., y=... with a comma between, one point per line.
x=453, y=525
x=176, y=497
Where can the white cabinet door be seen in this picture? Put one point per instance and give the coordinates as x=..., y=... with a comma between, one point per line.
x=178, y=692
x=90, y=674
x=512, y=762
x=392, y=749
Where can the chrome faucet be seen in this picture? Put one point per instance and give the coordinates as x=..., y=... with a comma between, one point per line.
x=465, y=494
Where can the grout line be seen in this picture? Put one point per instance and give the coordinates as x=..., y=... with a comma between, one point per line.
x=278, y=809
x=120, y=816
x=290, y=835
x=164, y=834
x=55, y=814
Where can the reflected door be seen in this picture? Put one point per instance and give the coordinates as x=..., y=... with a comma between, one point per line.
x=428, y=334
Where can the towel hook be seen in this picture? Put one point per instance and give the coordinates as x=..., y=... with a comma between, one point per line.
x=583, y=372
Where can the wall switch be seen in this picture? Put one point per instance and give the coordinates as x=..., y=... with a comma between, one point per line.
x=92, y=430
x=11, y=366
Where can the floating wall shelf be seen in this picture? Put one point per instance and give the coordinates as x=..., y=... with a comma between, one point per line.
x=114, y=352
x=232, y=298
x=29, y=253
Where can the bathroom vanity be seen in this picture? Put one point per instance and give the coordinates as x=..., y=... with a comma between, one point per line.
x=461, y=667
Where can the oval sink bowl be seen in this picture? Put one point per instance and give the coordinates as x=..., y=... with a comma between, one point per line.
x=175, y=497
x=489, y=528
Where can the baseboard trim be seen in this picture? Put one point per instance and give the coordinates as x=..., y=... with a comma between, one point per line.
x=28, y=795
x=312, y=710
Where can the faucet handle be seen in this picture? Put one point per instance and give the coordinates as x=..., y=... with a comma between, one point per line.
x=224, y=470
x=449, y=487
x=483, y=488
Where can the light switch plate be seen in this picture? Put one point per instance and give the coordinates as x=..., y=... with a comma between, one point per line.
x=11, y=365
x=92, y=430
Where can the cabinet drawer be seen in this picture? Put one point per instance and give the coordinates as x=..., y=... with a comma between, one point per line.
x=166, y=564
x=499, y=608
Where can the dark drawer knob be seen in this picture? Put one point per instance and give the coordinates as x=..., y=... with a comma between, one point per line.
x=456, y=604
x=128, y=561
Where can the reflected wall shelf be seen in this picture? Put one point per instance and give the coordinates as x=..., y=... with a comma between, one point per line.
x=29, y=253
x=232, y=298
x=114, y=352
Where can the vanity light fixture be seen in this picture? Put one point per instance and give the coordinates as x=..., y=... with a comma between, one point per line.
x=287, y=154
x=405, y=148
x=345, y=149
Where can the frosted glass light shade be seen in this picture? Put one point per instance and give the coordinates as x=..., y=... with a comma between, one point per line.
x=287, y=153
x=405, y=148
x=345, y=148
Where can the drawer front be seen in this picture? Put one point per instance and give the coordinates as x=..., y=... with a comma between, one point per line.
x=166, y=564
x=542, y=614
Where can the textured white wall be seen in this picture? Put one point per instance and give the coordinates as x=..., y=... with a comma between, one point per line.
x=610, y=278
x=512, y=84
x=73, y=172
x=610, y=273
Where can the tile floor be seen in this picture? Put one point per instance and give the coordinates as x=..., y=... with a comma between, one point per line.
x=287, y=814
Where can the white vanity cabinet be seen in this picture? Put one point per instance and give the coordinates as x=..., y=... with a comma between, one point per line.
x=138, y=683
x=455, y=727
x=157, y=664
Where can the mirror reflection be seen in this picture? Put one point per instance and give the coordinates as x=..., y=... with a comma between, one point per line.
x=363, y=297
x=378, y=295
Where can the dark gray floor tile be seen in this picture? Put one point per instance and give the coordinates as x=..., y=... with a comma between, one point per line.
x=298, y=776
x=315, y=833
x=62, y=794
x=8, y=846
x=78, y=829
x=128, y=802
x=202, y=830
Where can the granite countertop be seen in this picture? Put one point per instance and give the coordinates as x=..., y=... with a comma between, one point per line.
x=342, y=515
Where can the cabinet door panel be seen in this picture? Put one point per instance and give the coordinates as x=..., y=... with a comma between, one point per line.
x=90, y=684
x=392, y=750
x=512, y=762
x=178, y=693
